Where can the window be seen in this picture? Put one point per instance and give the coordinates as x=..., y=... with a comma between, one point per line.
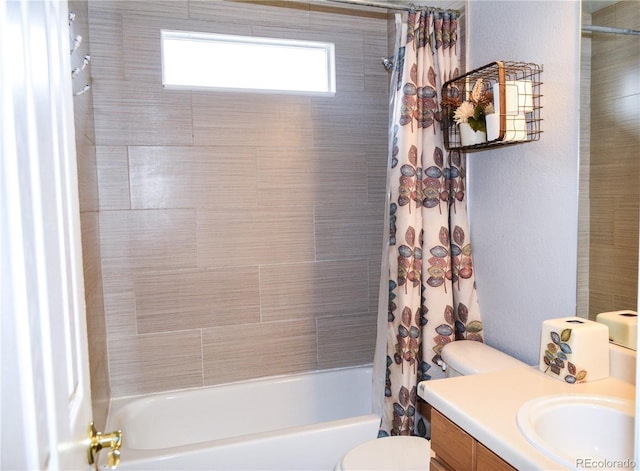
x=205, y=60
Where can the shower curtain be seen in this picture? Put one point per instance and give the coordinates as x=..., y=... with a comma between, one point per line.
x=428, y=285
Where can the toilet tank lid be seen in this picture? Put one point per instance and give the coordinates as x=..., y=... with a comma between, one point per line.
x=472, y=357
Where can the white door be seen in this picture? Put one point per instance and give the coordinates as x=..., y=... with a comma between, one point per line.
x=45, y=395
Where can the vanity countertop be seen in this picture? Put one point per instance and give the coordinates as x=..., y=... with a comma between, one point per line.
x=485, y=406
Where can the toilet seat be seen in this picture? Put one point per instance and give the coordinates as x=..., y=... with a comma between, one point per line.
x=403, y=453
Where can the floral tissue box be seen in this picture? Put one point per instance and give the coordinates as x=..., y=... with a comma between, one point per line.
x=574, y=350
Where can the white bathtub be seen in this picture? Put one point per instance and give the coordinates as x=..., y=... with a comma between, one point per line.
x=295, y=422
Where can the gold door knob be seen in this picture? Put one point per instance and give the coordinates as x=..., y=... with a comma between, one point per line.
x=98, y=441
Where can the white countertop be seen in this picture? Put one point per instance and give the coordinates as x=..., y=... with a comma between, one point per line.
x=486, y=405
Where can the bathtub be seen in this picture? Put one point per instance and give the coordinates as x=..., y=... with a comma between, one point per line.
x=294, y=422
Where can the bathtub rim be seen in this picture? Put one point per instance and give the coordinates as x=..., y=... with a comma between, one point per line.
x=132, y=397
x=136, y=456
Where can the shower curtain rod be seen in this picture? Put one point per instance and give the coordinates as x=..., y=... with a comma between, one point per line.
x=609, y=29
x=387, y=5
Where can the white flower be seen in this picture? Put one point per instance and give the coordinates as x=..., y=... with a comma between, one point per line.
x=463, y=112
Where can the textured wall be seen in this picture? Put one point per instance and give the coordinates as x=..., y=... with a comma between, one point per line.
x=241, y=232
x=615, y=167
x=88, y=193
x=523, y=198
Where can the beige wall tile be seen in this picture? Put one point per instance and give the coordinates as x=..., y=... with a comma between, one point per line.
x=107, y=58
x=155, y=362
x=83, y=103
x=346, y=340
x=333, y=17
x=98, y=337
x=349, y=120
x=599, y=301
x=98, y=358
x=149, y=238
x=267, y=235
x=113, y=177
x=628, y=127
x=377, y=164
x=615, y=270
x=100, y=392
x=336, y=233
x=375, y=265
x=135, y=113
x=87, y=175
x=625, y=226
x=376, y=78
x=90, y=235
x=251, y=351
x=150, y=8
x=305, y=290
x=194, y=299
x=301, y=177
x=95, y=314
x=193, y=177
x=251, y=119
x=602, y=228
x=250, y=13
x=627, y=14
x=119, y=300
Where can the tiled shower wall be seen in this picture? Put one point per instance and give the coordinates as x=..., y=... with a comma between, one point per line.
x=88, y=195
x=614, y=164
x=240, y=233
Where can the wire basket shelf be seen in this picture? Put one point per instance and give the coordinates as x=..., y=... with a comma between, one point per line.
x=513, y=88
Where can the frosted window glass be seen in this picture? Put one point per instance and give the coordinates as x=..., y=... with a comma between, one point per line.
x=203, y=60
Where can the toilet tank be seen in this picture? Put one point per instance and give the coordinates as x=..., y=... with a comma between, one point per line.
x=467, y=357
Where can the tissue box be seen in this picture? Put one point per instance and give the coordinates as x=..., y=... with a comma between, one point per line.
x=622, y=325
x=574, y=350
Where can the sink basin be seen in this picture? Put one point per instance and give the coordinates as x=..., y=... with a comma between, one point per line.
x=577, y=430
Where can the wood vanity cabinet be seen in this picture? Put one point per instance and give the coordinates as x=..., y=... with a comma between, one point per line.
x=456, y=450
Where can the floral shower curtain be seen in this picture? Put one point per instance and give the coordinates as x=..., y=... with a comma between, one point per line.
x=430, y=289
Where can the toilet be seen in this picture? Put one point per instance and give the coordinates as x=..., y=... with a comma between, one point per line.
x=459, y=358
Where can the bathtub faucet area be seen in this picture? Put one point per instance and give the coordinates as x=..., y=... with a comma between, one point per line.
x=99, y=441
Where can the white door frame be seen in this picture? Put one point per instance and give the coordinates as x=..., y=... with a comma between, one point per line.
x=45, y=393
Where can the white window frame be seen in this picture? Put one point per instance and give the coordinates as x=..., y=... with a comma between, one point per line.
x=209, y=67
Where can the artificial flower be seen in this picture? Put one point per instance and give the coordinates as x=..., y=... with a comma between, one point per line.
x=473, y=110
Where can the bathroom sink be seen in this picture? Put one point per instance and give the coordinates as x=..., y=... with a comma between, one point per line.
x=577, y=430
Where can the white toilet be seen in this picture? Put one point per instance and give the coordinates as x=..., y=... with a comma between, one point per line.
x=463, y=357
